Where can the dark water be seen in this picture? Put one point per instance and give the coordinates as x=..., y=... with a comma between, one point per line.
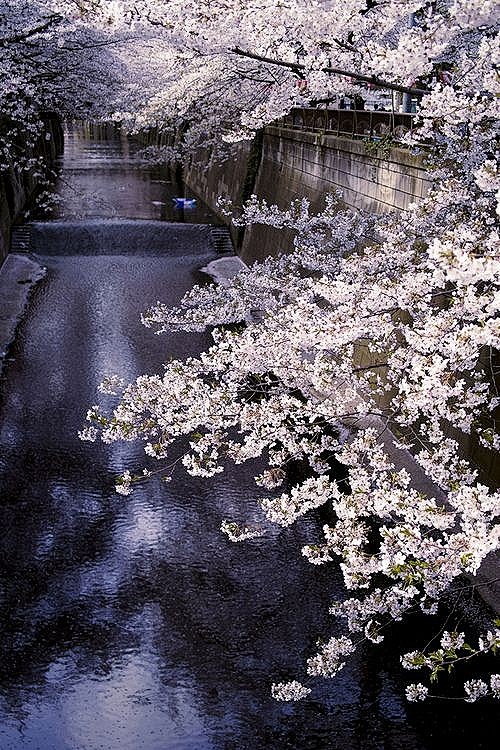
x=130, y=622
x=103, y=175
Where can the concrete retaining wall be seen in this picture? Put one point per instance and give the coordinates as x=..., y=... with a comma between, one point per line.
x=233, y=179
x=296, y=164
x=17, y=188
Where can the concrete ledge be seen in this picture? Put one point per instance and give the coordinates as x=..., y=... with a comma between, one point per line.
x=224, y=269
x=18, y=275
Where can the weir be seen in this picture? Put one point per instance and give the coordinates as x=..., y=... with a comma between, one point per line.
x=121, y=237
x=131, y=622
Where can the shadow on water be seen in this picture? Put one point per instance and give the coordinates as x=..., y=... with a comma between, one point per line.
x=132, y=623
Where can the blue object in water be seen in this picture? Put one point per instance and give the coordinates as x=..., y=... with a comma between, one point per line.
x=185, y=202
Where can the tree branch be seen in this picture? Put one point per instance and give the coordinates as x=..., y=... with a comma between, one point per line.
x=298, y=67
x=22, y=36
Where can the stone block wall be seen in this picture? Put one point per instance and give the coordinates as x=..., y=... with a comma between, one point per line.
x=293, y=164
x=297, y=164
x=314, y=164
x=233, y=179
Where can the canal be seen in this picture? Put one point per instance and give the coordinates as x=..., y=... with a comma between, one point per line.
x=132, y=623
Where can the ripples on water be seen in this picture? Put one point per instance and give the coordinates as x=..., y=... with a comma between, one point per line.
x=132, y=623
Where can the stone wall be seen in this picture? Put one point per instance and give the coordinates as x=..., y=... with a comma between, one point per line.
x=296, y=164
x=18, y=188
x=233, y=179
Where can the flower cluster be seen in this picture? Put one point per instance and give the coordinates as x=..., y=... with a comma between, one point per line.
x=416, y=692
x=289, y=691
x=237, y=533
x=453, y=649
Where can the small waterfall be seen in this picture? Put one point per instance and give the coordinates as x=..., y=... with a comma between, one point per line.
x=120, y=237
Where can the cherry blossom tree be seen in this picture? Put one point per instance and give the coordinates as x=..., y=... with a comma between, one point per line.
x=228, y=68
x=58, y=57
x=369, y=325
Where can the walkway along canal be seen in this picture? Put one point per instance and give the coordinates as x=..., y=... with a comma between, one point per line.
x=132, y=623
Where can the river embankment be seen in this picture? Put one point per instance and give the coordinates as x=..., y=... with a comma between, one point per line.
x=19, y=274
x=19, y=185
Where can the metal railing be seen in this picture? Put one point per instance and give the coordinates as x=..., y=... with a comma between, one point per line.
x=350, y=123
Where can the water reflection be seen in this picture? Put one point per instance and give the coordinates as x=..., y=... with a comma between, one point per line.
x=132, y=622
x=103, y=175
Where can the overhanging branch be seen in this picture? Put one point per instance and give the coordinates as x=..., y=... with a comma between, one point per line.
x=298, y=67
x=22, y=36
